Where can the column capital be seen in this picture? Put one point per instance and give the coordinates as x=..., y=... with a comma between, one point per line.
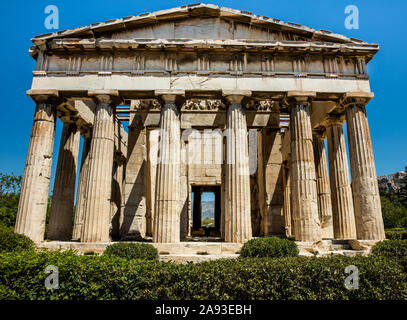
x=319, y=133
x=235, y=96
x=355, y=98
x=302, y=97
x=335, y=119
x=105, y=96
x=45, y=96
x=173, y=96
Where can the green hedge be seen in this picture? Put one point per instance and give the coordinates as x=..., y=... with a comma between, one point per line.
x=396, y=234
x=272, y=247
x=132, y=251
x=109, y=277
x=11, y=242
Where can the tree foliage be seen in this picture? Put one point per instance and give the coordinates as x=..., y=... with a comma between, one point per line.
x=394, y=207
x=10, y=185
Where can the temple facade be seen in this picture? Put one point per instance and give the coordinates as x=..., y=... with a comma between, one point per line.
x=215, y=100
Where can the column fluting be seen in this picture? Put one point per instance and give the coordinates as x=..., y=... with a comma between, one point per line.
x=366, y=198
x=81, y=192
x=341, y=193
x=32, y=207
x=238, y=227
x=98, y=192
x=166, y=227
x=60, y=221
x=303, y=178
x=323, y=190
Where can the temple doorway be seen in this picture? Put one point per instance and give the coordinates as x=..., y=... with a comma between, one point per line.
x=206, y=211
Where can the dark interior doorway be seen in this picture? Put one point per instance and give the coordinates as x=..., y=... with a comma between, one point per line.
x=206, y=211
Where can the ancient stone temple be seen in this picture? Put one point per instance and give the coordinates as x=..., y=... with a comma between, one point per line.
x=215, y=100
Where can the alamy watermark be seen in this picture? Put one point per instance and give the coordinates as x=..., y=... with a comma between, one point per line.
x=352, y=20
x=52, y=281
x=352, y=281
x=52, y=20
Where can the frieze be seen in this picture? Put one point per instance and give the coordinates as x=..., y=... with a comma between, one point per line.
x=261, y=105
x=146, y=105
x=203, y=105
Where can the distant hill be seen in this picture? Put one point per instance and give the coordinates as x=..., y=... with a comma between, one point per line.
x=390, y=183
x=208, y=209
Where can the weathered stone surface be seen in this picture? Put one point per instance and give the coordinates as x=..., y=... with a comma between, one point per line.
x=274, y=222
x=134, y=220
x=62, y=206
x=366, y=198
x=342, y=203
x=32, y=207
x=303, y=180
x=237, y=207
x=323, y=190
x=97, y=212
x=81, y=192
x=365, y=245
x=166, y=228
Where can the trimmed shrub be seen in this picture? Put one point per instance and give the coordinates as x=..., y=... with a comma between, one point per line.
x=132, y=251
x=110, y=277
x=396, y=249
x=272, y=247
x=11, y=242
x=396, y=234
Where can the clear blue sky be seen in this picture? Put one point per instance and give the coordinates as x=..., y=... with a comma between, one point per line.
x=381, y=22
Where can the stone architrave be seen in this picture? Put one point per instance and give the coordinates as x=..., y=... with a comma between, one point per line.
x=62, y=206
x=303, y=179
x=237, y=180
x=341, y=192
x=81, y=192
x=32, y=207
x=366, y=198
x=97, y=210
x=324, y=193
x=166, y=227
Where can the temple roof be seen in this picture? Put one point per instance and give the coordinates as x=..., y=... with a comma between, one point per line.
x=198, y=10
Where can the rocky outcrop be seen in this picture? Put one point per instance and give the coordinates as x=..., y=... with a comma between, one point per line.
x=391, y=183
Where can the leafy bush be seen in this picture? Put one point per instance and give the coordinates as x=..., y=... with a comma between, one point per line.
x=394, y=212
x=132, y=251
x=396, y=249
x=11, y=242
x=110, y=277
x=269, y=247
x=396, y=234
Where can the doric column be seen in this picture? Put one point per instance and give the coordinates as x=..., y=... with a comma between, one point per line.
x=81, y=192
x=60, y=221
x=366, y=199
x=237, y=180
x=98, y=192
x=303, y=179
x=166, y=227
x=32, y=207
x=323, y=191
x=341, y=193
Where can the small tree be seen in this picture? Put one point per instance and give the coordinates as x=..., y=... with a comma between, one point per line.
x=10, y=185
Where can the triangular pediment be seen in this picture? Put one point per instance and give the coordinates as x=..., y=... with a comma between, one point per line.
x=198, y=22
